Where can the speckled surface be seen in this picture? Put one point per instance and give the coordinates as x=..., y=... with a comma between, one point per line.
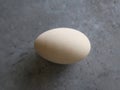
x=21, y=21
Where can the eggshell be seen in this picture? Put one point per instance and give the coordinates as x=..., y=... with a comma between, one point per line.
x=62, y=45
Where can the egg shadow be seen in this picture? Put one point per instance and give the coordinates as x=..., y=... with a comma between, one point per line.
x=32, y=71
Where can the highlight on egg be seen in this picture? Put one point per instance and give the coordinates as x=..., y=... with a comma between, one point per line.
x=62, y=45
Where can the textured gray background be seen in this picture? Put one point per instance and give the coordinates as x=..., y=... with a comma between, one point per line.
x=21, y=21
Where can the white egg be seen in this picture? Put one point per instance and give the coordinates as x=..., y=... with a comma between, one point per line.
x=62, y=45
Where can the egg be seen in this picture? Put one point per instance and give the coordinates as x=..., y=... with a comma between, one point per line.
x=62, y=45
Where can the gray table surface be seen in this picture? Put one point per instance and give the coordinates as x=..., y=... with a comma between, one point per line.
x=21, y=21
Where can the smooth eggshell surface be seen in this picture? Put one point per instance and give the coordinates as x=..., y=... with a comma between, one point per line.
x=62, y=45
